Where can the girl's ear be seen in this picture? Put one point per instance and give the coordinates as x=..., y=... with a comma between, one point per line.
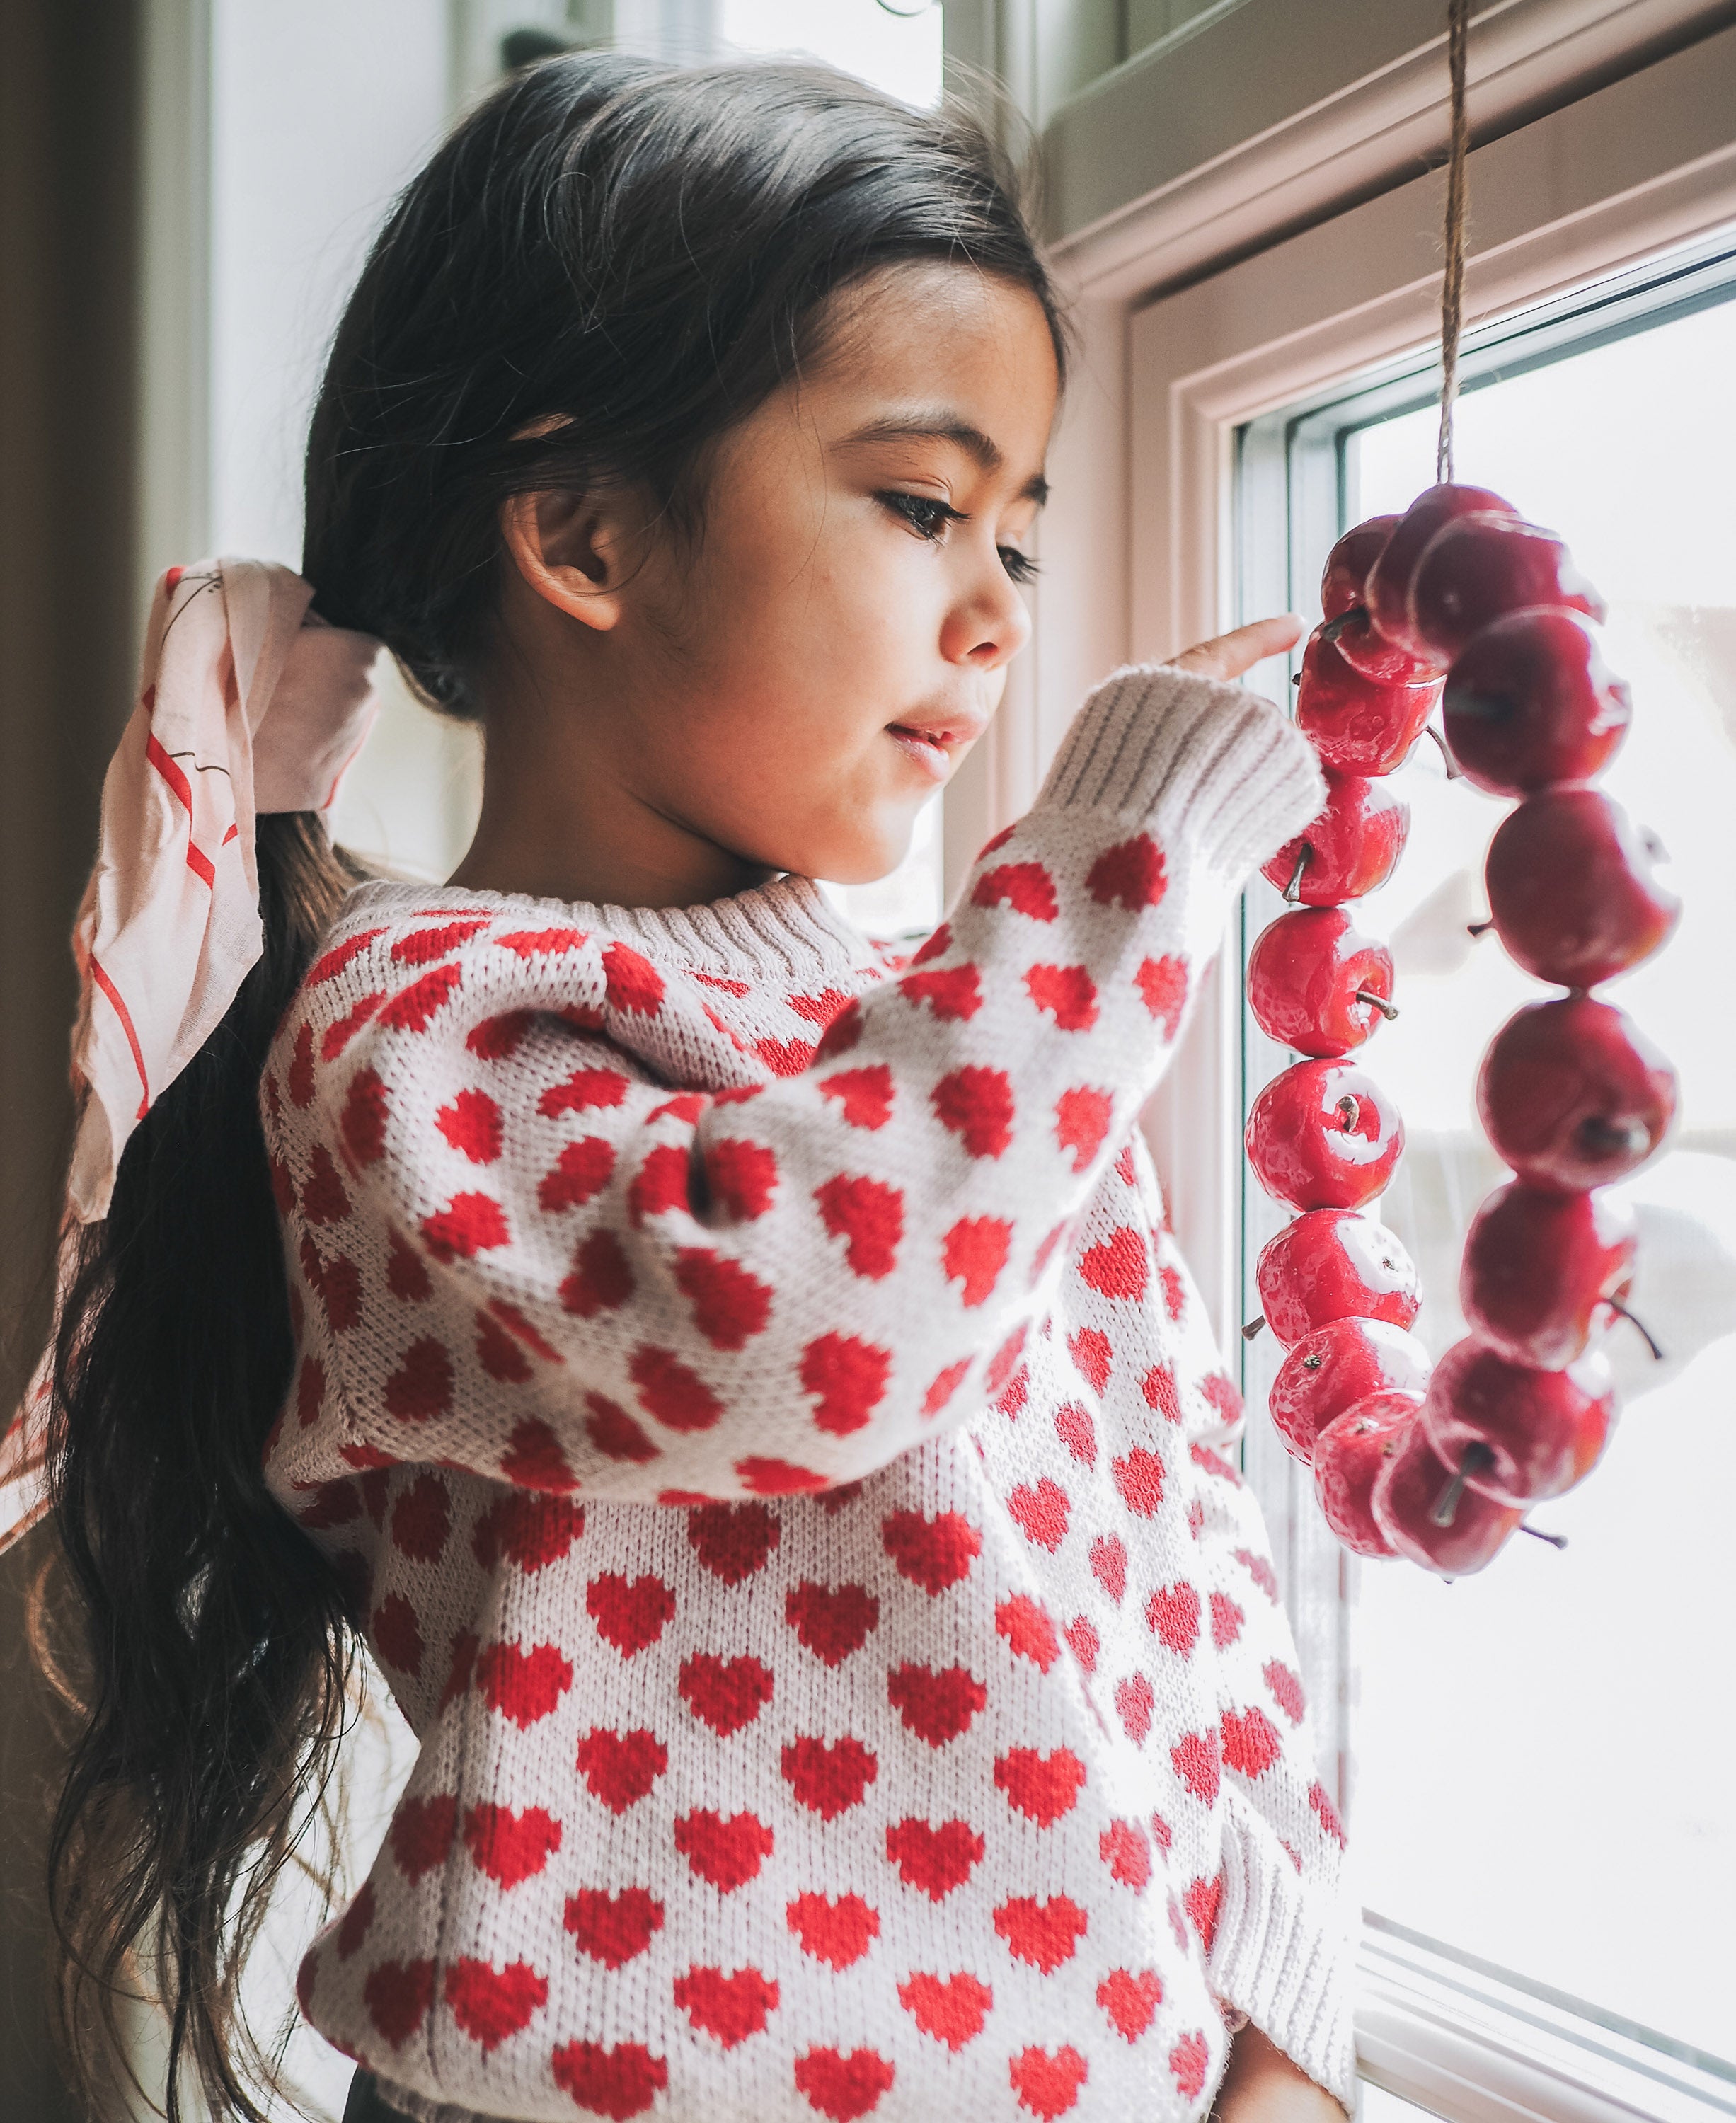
x=570, y=549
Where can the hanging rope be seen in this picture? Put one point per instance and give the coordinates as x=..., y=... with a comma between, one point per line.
x=1453, y=274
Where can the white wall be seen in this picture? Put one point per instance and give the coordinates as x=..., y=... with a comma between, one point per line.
x=319, y=112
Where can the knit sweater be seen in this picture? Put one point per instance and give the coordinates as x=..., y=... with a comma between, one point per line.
x=784, y=1472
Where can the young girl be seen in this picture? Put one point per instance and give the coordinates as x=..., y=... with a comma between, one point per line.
x=742, y=1387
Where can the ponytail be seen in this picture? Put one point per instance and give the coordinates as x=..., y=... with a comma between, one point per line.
x=217, y=1651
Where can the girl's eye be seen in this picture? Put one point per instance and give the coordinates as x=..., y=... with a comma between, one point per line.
x=925, y=516
x=929, y=519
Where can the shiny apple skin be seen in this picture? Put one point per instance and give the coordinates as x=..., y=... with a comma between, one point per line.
x=1370, y=655
x=1407, y=1491
x=1530, y=702
x=1329, y=1371
x=1334, y=1264
x=1304, y=974
x=1346, y=571
x=1347, y=1460
x=1572, y=1094
x=1545, y=1430
x=1571, y=888
x=1323, y=1135
x=1538, y=1269
x=1387, y=591
x=1354, y=842
x=1355, y=726
x=1476, y=569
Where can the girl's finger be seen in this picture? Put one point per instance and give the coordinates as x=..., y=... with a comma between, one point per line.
x=1231, y=655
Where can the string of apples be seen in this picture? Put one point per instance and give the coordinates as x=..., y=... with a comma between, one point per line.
x=1458, y=601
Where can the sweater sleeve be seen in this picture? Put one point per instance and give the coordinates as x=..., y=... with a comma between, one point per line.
x=1281, y=1927
x=539, y=1263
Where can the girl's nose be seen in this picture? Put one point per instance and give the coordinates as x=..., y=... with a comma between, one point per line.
x=988, y=624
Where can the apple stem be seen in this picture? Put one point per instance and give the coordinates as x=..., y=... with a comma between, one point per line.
x=1473, y=1459
x=1389, y=1011
x=1350, y=1111
x=1554, y=1539
x=1253, y=1328
x=1639, y=1326
x=1292, y=890
x=1478, y=928
x=1455, y=772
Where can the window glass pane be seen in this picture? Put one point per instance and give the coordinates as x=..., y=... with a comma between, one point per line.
x=1544, y=1752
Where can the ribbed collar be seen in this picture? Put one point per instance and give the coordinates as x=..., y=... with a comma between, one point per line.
x=786, y=930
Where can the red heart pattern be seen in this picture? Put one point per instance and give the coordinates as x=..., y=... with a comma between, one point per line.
x=843, y=2087
x=492, y=2004
x=613, y=1928
x=953, y=2010
x=1044, y=1933
x=936, y=1860
x=1131, y=2001
x=725, y=1693
x=838, y=1933
x=522, y=1684
x=936, y=1706
x=657, y=1290
x=828, y=1777
x=1046, y=2085
x=510, y=1847
x=934, y=1553
x=733, y=1540
x=621, y=1767
x=728, y=1853
x=630, y=1613
x=730, y=2006
x=1041, y=1787
x=619, y=2082
x=832, y=1621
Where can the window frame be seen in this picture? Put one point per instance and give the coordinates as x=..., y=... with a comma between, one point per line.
x=1592, y=191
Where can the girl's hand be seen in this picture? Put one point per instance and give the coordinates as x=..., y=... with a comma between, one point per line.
x=1231, y=655
x=1259, y=2083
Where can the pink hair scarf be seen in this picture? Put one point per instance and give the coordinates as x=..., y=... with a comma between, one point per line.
x=248, y=703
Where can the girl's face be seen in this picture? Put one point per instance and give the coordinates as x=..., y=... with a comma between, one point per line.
x=791, y=693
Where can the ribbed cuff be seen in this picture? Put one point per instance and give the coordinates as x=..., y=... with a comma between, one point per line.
x=1221, y=764
x=1285, y=1955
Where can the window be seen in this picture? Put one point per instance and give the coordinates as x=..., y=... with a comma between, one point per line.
x=1506, y=1729
x=1535, y=1761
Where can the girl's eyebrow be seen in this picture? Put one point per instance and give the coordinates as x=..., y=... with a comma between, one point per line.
x=942, y=427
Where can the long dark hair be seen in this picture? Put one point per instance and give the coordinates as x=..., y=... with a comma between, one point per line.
x=647, y=252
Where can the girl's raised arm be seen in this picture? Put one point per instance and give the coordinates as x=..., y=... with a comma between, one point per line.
x=534, y=1259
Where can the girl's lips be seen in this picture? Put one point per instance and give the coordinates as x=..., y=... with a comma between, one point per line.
x=930, y=749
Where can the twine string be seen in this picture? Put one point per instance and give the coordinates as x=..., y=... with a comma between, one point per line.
x=1452, y=272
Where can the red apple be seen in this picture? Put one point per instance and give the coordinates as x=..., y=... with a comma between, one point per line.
x=1571, y=888
x=1539, y=1268
x=1413, y=1491
x=1476, y=569
x=1317, y=983
x=1387, y=591
x=1348, y=564
x=1529, y=1434
x=1356, y=726
x=1348, y=849
x=1347, y=1460
x=1329, y=1370
x=1530, y=702
x=1323, y=1136
x=1573, y=1094
x=1333, y=1264
x=1370, y=655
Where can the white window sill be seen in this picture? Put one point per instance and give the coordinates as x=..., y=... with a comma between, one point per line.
x=1468, y=2042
